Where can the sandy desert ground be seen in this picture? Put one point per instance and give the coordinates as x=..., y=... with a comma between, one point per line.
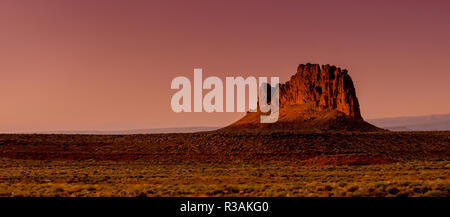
x=221, y=164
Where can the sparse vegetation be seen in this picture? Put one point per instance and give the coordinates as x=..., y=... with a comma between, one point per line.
x=94, y=178
x=280, y=164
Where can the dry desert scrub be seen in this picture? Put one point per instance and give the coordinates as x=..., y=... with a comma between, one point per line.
x=140, y=178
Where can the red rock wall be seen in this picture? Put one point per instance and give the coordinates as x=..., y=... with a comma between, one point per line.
x=327, y=87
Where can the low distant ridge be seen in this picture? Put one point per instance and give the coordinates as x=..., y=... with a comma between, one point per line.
x=414, y=123
x=127, y=132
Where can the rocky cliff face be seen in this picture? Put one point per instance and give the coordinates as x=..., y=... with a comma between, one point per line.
x=326, y=87
x=316, y=98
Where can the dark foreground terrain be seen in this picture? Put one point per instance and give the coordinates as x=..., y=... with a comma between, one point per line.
x=227, y=164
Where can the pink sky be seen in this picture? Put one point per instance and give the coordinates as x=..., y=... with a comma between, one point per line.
x=108, y=65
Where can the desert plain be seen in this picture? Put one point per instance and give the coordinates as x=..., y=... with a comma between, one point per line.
x=280, y=164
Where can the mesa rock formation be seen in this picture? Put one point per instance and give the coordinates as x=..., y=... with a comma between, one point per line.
x=316, y=98
x=326, y=87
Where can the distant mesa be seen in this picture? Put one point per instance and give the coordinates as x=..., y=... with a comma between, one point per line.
x=316, y=98
x=414, y=123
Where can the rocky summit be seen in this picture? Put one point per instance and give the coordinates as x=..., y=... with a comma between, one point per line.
x=316, y=98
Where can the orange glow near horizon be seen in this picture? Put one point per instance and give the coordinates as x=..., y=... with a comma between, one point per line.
x=108, y=65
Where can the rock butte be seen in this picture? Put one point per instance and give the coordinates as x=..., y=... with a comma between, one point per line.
x=316, y=98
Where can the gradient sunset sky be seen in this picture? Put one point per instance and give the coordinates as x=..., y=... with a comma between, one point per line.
x=108, y=65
